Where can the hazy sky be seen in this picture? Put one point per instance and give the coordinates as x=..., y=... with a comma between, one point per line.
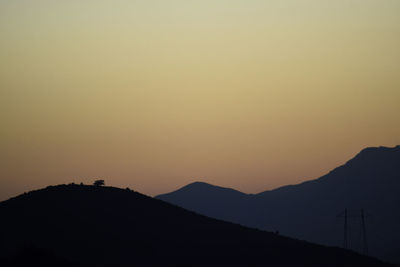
x=154, y=94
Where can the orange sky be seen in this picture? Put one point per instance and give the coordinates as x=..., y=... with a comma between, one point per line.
x=155, y=94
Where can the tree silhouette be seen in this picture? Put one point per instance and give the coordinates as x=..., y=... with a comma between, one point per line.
x=99, y=183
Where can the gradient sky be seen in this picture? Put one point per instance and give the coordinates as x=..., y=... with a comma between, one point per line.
x=154, y=94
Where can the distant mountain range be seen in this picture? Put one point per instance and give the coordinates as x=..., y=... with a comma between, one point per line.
x=369, y=181
x=79, y=225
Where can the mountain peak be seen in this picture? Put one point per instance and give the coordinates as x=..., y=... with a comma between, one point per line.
x=199, y=183
x=377, y=154
x=200, y=196
x=380, y=149
x=203, y=189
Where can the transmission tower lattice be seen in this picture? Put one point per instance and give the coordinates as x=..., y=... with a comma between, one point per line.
x=360, y=214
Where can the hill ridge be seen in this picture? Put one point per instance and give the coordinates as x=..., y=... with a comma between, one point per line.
x=108, y=226
x=370, y=180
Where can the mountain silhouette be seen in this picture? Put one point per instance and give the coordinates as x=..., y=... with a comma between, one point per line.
x=307, y=211
x=214, y=201
x=79, y=225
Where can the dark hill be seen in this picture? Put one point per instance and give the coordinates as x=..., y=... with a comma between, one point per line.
x=76, y=225
x=214, y=201
x=371, y=180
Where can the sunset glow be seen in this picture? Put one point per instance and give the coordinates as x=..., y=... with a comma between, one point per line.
x=156, y=94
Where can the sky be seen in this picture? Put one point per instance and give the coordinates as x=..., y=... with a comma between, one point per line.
x=155, y=94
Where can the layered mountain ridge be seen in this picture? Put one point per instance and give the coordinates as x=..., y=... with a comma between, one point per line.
x=369, y=181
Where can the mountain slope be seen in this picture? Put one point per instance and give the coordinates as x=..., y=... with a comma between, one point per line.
x=217, y=202
x=371, y=180
x=104, y=226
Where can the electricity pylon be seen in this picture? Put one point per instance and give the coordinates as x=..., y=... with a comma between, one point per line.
x=347, y=214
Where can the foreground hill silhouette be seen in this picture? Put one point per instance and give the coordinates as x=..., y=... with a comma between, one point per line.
x=78, y=225
x=371, y=180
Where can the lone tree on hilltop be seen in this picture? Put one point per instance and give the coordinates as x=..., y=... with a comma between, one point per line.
x=99, y=183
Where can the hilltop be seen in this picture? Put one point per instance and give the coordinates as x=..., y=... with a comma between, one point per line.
x=78, y=225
